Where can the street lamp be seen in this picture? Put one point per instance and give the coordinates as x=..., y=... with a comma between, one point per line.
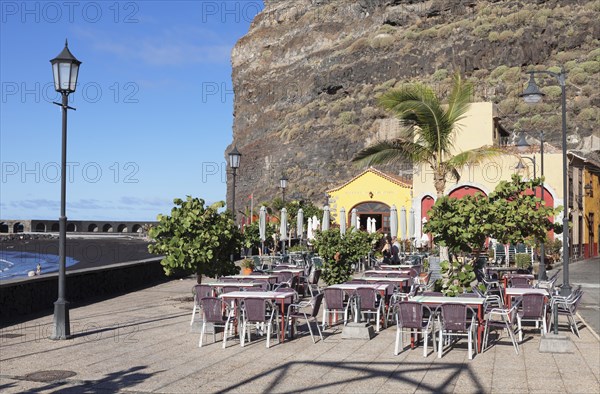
x=234, y=164
x=283, y=184
x=65, y=69
x=532, y=94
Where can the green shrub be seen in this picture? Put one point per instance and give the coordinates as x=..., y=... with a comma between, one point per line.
x=523, y=260
x=347, y=117
x=440, y=75
x=591, y=67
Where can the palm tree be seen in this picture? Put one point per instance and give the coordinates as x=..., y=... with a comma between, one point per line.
x=430, y=130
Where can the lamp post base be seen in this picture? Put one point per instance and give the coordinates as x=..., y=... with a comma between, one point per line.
x=62, y=324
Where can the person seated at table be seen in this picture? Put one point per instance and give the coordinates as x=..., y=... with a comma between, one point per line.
x=387, y=251
x=395, y=250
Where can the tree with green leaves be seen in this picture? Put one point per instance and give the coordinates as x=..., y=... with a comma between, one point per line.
x=196, y=239
x=511, y=214
x=430, y=128
x=340, y=253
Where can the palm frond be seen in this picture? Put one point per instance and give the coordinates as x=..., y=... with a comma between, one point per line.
x=391, y=151
x=459, y=99
x=474, y=156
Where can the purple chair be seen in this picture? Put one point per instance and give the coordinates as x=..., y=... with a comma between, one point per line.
x=311, y=283
x=414, y=317
x=533, y=308
x=453, y=321
x=568, y=307
x=229, y=289
x=520, y=282
x=335, y=301
x=219, y=314
x=258, y=311
x=371, y=274
x=295, y=312
x=357, y=280
x=200, y=291
x=369, y=301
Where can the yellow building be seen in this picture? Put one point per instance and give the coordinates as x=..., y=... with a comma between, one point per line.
x=372, y=193
x=584, y=206
x=481, y=127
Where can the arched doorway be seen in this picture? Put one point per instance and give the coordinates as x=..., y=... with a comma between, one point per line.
x=137, y=228
x=71, y=227
x=107, y=228
x=93, y=228
x=18, y=227
x=122, y=228
x=3, y=227
x=40, y=228
x=373, y=209
x=55, y=227
x=462, y=191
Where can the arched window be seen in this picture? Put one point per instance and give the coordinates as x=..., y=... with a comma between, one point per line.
x=373, y=209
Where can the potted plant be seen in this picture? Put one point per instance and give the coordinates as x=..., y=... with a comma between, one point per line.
x=247, y=266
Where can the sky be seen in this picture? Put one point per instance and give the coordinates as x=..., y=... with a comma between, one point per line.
x=154, y=105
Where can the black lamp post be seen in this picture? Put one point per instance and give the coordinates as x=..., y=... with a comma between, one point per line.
x=283, y=184
x=234, y=164
x=532, y=95
x=65, y=69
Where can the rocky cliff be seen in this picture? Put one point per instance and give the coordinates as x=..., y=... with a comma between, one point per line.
x=307, y=75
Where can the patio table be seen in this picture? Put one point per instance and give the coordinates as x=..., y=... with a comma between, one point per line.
x=271, y=278
x=511, y=292
x=469, y=301
x=398, y=281
x=385, y=272
x=382, y=288
x=265, y=295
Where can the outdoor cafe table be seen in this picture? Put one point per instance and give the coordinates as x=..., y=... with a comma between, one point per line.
x=265, y=295
x=385, y=272
x=399, y=266
x=511, y=292
x=382, y=288
x=233, y=284
x=474, y=302
x=386, y=279
x=271, y=278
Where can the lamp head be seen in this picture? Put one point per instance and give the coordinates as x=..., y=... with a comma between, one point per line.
x=532, y=94
x=65, y=69
x=234, y=158
x=283, y=182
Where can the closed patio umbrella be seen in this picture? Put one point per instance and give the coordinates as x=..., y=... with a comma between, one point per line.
x=342, y=221
x=325, y=224
x=411, y=224
x=369, y=225
x=353, y=219
x=315, y=223
x=283, y=229
x=394, y=221
x=300, y=224
x=403, y=224
x=309, y=230
x=262, y=226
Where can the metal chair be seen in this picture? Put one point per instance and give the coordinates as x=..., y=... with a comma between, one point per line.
x=368, y=301
x=335, y=301
x=519, y=282
x=502, y=318
x=295, y=312
x=414, y=317
x=218, y=313
x=533, y=308
x=567, y=307
x=453, y=321
x=200, y=291
x=259, y=312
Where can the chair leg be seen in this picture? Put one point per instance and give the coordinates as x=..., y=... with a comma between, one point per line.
x=575, y=326
x=193, y=314
x=485, y=338
x=309, y=328
x=520, y=329
x=202, y=334
x=470, y=344
x=424, y=333
x=441, y=343
x=398, y=341
x=318, y=329
x=512, y=337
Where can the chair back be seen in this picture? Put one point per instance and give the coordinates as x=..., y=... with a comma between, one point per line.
x=410, y=314
x=454, y=316
x=334, y=298
x=214, y=310
x=532, y=305
x=519, y=282
x=357, y=280
x=229, y=289
x=368, y=297
x=369, y=274
x=201, y=291
x=246, y=280
x=391, y=289
x=283, y=276
x=261, y=285
x=316, y=303
x=229, y=280
x=395, y=275
x=255, y=309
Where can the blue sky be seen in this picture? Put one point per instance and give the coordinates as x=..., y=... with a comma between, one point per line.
x=154, y=105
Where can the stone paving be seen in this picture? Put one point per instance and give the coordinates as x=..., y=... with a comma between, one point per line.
x=142, y=342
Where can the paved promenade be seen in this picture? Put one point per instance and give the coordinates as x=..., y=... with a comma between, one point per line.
x=142, y=342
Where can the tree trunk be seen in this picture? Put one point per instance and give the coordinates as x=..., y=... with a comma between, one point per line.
x=198, y=275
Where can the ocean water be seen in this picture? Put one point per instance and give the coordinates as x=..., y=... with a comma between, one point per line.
x=15, y=264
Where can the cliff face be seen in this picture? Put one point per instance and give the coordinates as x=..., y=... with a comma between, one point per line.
x=307, y=75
